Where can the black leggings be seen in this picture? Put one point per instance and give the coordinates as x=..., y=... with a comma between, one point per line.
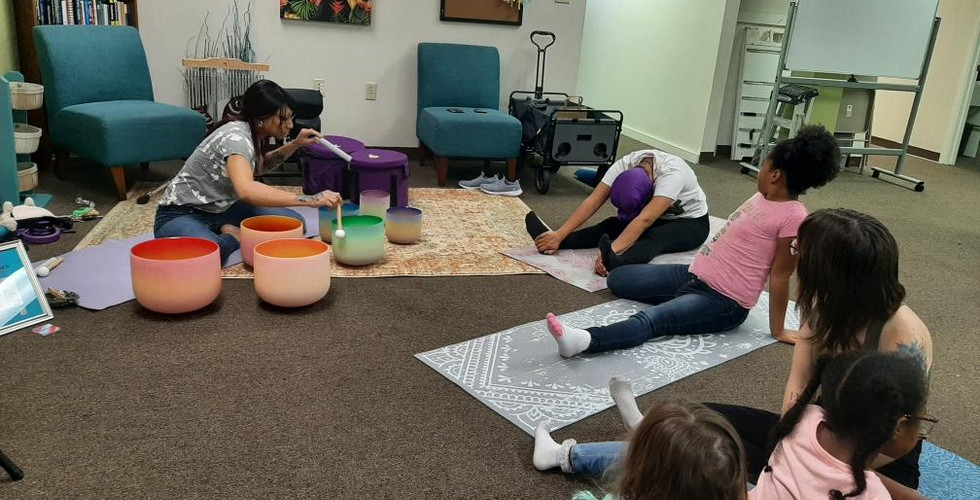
x=754, y=427
x=664, y=236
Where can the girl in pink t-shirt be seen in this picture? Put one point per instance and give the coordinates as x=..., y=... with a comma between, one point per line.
x=728, y=275
x=870, y=403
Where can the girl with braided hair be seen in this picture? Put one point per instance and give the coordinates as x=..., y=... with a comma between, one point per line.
x=869, y=403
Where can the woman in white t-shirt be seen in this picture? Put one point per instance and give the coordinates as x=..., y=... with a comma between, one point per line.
x=673, y=217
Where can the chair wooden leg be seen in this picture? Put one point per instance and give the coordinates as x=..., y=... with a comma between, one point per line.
x=512, y=169
x=119, y=177
x=61, y=160
x=442, y=170
x=424, y=153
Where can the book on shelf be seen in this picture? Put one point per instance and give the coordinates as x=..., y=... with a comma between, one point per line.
x=82, y=12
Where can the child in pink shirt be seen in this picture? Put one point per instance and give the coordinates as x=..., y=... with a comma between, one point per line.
x=728, y=275
x=871, y=403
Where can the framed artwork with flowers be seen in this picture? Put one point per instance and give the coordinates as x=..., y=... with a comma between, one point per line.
x=357, y=12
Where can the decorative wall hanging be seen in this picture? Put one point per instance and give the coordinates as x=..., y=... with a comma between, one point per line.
x=509, y=12
x=357, y=12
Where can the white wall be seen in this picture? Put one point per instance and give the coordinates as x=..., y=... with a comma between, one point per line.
x=723, y=62
x=656, y=61
x=349, y=56
x=937, y=126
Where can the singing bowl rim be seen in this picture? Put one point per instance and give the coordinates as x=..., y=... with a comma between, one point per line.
x=293, y=224
x=139, y=250
x=269, y=245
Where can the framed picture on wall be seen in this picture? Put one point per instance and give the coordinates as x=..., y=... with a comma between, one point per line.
x=356, y=12
x=22, y=301
x=509, y=12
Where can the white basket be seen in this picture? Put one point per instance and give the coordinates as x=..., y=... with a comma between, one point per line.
x=26, y=176
x=26, y=96
x=26, y=138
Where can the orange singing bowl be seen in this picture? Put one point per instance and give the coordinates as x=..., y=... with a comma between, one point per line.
x=255, y=230
x=176, y=275
x=292, y=272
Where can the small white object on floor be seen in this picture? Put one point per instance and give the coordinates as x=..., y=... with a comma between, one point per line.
x=45, y=268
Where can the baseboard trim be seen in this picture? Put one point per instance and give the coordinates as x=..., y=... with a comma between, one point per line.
x=691, y=156
x=921, y=153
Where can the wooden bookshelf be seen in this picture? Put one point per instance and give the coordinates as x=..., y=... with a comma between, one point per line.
x=26, y=18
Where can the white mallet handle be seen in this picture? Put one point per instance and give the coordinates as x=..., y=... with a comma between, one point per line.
x=334, y=149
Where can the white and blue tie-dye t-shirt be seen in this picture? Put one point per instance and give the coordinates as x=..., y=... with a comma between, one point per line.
x=203, y=182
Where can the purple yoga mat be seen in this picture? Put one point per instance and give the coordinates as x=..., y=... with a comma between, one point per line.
x=100, y=274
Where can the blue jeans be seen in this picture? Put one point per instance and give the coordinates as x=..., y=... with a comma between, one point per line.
x=683, y=305
x=181, y=220
x=594, y=458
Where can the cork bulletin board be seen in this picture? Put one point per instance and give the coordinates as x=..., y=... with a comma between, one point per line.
x=482, y=11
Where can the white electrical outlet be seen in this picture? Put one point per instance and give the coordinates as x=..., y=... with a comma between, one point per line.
x=320, y=85
x=849, y=111
x=370, y=91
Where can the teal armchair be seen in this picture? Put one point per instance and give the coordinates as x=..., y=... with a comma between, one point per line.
x=464, y=78
x=99, y=101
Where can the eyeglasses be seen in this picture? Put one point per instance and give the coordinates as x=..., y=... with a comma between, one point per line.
x=794, y=247
x=928, y=423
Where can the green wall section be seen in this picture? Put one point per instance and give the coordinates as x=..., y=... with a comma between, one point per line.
x=8, y=37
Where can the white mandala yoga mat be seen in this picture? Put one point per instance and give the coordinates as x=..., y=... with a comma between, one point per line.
x=519, y=374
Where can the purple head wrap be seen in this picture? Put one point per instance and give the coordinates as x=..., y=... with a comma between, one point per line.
x=630, y=192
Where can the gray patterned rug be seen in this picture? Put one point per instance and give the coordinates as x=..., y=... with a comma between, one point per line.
x=519, y=374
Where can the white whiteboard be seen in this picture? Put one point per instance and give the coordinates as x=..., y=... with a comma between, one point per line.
x=861, y=37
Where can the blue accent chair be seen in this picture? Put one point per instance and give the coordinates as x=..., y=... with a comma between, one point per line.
x=464, y=77
x=99, y=101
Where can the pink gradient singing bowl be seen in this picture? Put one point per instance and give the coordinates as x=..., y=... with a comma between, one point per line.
x=292, y=272
x=255, y=230
x=374, y=202
x=176, y=275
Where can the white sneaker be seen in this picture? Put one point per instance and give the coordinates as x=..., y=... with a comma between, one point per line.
x=503, y=187
x=474, y=184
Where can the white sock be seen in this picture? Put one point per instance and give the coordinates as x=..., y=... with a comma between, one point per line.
x=622, y=394
x=571, y=341
x=548, y=454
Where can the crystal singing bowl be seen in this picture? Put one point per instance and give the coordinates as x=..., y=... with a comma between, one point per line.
x=404, y=225
x=292, y=272
x=328, y=215
x=255, y=230
x=176, y=275
x=364, y=242
x=374, y=202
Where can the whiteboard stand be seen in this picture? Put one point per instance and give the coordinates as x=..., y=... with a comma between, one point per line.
x=770, y=126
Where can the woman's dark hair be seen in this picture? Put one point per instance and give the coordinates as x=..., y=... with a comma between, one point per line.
x=683, y=451
x=260, y=101
x=808, y=160
x=848, y=273
x=864, y=395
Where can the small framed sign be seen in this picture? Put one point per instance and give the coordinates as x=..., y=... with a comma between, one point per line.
x=22, y=301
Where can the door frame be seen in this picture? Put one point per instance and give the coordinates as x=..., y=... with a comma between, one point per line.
x=952, y=153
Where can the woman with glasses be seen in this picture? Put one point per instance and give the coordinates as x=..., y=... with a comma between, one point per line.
x=216, y=188
x=850, y=298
